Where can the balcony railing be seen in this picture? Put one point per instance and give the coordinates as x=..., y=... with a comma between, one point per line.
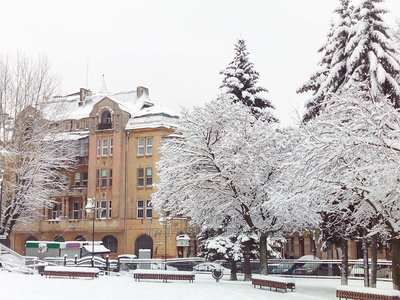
x=104, y=126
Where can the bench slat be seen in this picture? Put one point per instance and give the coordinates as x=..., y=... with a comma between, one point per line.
x=273, y=284
x=163, y=276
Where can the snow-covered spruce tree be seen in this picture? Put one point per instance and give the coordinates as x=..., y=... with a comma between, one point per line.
x=332, y=68
x=217, y=245
x=33, y=155
x=354, y=144
x=373, y=59
x=240, y=83
x=225, y=163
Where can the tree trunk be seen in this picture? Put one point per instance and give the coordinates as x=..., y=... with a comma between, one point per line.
x=374, y=260
x=233, y=270
x=365, y=258
x=247, y=267
x=396, y=263
x=345, y=263
x=263, y=254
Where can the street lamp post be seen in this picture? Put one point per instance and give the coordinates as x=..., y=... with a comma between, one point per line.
x=91, y=208
x=163, y=221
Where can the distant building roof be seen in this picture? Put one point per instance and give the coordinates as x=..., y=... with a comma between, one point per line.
x=144, y=113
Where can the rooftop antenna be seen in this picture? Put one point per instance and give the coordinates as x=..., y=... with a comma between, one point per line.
x=87, y=73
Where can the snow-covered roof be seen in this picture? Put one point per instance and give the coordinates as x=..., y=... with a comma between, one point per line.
x=144, y=113
x=153, y=117
x=68, y=136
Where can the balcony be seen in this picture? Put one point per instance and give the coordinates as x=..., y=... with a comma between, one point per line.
x=77, y=190
x=105, y=126
x=82, y=160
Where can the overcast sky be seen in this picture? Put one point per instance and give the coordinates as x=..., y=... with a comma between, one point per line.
x=176, y=48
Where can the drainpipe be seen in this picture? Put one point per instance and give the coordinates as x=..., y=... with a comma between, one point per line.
x=126, y=189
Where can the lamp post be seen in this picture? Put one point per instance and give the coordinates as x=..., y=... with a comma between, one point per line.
x=91, y=208
x=163, y=221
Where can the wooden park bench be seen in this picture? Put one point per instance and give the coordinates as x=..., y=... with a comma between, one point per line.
x=273, y=282
x=71, y=272
x=366, y=293
x=163, y=275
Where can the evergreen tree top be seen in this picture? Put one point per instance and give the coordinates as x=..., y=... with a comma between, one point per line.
x=240, y=82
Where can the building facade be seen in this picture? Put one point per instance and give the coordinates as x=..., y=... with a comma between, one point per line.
x=118, y=136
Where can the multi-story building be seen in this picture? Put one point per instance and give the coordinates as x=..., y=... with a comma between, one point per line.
x=118, y=136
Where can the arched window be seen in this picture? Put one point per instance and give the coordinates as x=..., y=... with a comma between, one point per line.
x=80, y=238
x=105, y=121
x=59, y=238
x=106, y=117
x=110, y=242
x=144, y=242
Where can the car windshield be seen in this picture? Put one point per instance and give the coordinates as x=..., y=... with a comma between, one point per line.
x=284, y=266
x=311, y=265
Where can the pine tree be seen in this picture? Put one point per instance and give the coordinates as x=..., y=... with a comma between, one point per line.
x=240, y=82
x=373, y=58
x=332, y=68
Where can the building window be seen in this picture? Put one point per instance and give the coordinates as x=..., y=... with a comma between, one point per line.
x=84, y=145
x=81, y=179
x=87, y=123
x=140, y=177
x=105, y=211
x=97, y=178
x=145, y=146
x=111, y=146
x=111, y=243
x=144, y=209
x=149, y=176
x=110, y=177
x=104, y=147
x=140, y=209
x=77, y=211
x=77, y=179
x=77, y=125
x=149, y=209
x=149, y=146
x=56, y=211
x=106, y=117
x=145, y=176
x=105, y=122
x=103, y=177
x=85, y=179
x=140, y=150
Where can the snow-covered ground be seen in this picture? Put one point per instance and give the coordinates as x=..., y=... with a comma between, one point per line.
x=35, y=287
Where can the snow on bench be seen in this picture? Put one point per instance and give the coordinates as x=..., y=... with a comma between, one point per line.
x=366, y=293
x=273, y=282
x=163, y=274
x=71, y=272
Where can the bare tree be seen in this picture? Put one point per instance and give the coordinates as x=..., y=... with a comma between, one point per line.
x=33, y=150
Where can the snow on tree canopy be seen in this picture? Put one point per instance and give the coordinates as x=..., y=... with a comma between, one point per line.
x=240, y=81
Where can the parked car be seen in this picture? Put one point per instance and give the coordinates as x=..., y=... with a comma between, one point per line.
x=127, y=262
x=286, y=268
x=318, y=269
x=255, y=267
x=383, y=270
x=228, y=265
x=186, y=265
x=208, y=267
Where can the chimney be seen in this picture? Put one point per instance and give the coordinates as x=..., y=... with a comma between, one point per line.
x=140, y=90
x=83, y=93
